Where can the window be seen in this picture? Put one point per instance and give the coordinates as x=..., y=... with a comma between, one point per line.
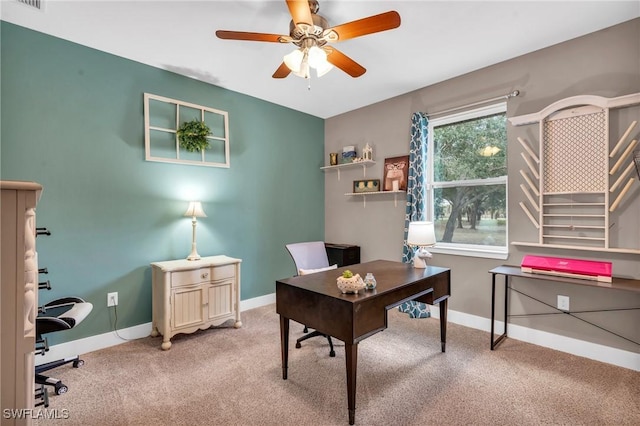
x=467, y=182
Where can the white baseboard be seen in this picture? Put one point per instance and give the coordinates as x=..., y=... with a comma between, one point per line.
x=105, y=340
x=545, y=339
x=257, y=302
x=569, y=345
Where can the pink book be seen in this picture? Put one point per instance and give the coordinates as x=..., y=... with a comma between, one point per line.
x=575, y=268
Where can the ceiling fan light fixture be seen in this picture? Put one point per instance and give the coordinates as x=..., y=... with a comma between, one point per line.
x=300, y=60
x=323, y=68
x=293, y=60
x=317, y=57
x=304, y=70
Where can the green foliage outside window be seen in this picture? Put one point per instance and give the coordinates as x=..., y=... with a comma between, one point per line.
x=464, y=151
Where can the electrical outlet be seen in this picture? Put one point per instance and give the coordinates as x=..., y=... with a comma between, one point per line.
x=563, y=303
x=112, y=299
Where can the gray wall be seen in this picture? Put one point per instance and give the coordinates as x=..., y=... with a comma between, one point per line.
x=605, y=63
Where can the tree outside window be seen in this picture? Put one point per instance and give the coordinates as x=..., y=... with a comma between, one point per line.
x=468, y=179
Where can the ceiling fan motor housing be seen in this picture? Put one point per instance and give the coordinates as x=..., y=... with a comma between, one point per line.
x=301, y=31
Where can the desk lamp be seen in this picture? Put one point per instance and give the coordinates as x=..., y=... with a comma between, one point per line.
x=421, y=235
x=194, y=210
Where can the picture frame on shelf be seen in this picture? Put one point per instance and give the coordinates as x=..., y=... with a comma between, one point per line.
x=348, y=154
x=395, y=173
x=366, y=185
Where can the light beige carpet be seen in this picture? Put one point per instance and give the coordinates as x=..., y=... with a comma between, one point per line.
x=227, y=376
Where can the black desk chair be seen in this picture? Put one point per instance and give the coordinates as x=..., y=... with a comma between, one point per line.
x=311, y=257
x=58, y=315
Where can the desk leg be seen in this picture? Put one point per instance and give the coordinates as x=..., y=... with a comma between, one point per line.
x=284, y=345
x=494, y=343
x=443, y=323
x=493, y=306
x=351, y=352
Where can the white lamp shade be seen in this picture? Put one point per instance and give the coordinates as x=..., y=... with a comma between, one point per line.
x=421, y=234
x=317, y=57
x=300, y=60
x=195, y=209
x=293, y=60
x=304, y=70
x=323, y=68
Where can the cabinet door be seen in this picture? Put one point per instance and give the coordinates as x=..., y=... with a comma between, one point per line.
x=187, y=306
x=220, y=300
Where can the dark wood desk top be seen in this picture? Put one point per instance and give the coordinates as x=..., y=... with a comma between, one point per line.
x=616, y=283
x=316, y=301
x=389, y=276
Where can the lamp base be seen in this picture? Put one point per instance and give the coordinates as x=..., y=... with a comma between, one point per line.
x=194, y=254
x=420, y=258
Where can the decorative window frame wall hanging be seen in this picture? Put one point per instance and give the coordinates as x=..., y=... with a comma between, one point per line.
x=162, y=118
x=574, y=181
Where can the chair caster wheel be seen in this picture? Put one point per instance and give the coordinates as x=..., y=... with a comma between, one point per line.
x=61, y=388
x=78, y=363
x=298, y=345
x=332, y=354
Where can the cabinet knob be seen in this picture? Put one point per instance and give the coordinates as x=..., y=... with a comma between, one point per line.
x=204, y=275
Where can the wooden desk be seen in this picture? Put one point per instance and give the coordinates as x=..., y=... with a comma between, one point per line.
x=515, y=271
x=316, y=301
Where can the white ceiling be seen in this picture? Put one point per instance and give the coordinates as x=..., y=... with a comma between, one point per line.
x=437, y=40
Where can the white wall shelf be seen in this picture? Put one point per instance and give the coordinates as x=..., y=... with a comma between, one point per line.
x=574, y=247
x=376, y=193
x=364, y=164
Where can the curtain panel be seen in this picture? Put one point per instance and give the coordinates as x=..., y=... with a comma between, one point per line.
x=415, y=207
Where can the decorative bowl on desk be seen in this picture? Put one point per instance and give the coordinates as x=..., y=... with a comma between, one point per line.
x=349, y=283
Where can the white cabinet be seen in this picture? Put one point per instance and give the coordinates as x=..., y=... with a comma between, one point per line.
x=194, y=295
x=19, y=299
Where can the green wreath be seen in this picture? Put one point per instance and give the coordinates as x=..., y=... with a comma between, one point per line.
x=192, y=135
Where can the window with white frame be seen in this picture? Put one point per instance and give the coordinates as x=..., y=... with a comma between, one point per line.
x=467, y=182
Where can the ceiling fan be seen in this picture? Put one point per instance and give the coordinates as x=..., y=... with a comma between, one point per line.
x=311, y=33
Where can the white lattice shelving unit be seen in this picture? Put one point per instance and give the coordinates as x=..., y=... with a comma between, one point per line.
x=573, y=180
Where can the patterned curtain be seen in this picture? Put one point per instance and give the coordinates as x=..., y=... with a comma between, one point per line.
x=416, y=197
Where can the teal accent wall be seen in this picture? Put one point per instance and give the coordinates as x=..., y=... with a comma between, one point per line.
x=72, y=120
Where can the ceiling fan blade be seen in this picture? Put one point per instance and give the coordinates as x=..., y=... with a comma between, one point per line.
x=372, y=24
x=300, y=11
x=239, y=35
x=345, y=63
x=282, y=71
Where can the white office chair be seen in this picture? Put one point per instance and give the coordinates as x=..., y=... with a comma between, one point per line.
x=310, y=257
x=60, y=314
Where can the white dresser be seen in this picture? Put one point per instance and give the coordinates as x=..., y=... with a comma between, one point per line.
x=19, y=298
x=191, y=295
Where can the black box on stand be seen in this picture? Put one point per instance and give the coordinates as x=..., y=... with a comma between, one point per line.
x=342, y=254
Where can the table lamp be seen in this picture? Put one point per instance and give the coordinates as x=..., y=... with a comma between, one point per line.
x=194, y=210
x=421, y=235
